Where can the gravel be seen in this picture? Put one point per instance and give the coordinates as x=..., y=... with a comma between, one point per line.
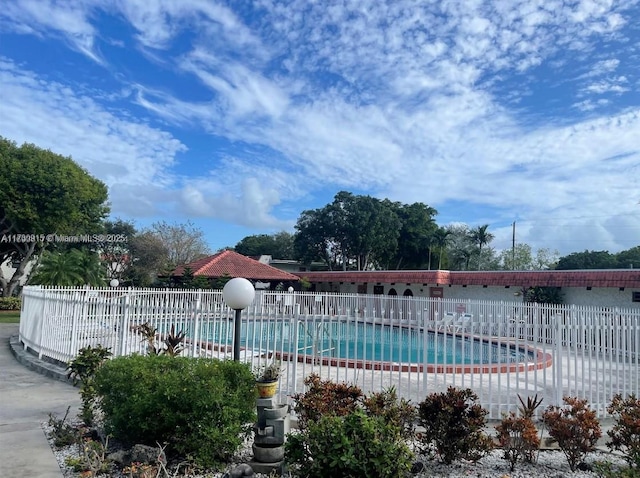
x=550, y=464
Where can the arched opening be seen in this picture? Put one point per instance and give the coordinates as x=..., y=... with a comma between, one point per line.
x=392, y=291
x=408, y=293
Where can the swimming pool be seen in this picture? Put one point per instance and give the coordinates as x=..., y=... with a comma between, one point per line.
x=379, y=346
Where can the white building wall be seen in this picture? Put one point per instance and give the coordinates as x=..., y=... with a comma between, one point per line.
x=600, y=296
x=597, y=296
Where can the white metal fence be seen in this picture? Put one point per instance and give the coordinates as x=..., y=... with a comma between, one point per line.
x=418, y=345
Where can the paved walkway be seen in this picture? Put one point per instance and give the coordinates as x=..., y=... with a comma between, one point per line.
x=26, y=399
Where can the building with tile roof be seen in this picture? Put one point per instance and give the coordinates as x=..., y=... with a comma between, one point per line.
x=609, y=288
x=231, y=264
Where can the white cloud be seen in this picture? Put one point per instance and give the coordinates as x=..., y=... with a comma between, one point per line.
x=121, y=152
x=136, y=161
x=396, y=99
x=613, y=85
x=590, y=105
x=159, y=21
x=245, y=92
x=250, y=204
x=602, y=67
x=50, y=16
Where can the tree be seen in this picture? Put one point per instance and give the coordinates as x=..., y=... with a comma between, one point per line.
x=278, y=246
x=545, y=259
x=187, y=278
x=257, y=245
x=481, y=237
x=587, y=260
x=628, y=259
x=116, y=253
x=524, y=259
x=200, y=282
x=42, y=194
x=184, y=243
x=441, y=240
x=148, y=260
x=416, y=238
x=74, y=267
x=544, y=295
x=460, y=247
x=221, y=281
x=191, y=281
x=519, y=259
x=351, y=232
x=283, y=245
x=313, y=240
x=371, y=231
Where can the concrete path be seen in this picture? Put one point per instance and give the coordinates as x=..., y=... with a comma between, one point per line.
x=26, y=399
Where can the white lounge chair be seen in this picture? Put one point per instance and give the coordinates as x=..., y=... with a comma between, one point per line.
x=448, y=321
x=464, y=322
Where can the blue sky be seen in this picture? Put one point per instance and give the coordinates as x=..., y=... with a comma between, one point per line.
x=239, y=115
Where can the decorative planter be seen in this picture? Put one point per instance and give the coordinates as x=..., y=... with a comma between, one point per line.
x=267, y=389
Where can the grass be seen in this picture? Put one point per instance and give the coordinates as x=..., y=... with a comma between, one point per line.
x=9, y=316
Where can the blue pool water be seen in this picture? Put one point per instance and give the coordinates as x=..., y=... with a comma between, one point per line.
x=365, y=341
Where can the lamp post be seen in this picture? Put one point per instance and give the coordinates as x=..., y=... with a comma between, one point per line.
x=238, y=293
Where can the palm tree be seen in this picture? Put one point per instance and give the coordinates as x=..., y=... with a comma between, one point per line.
x=70, y=268
x=481, y=237
x=461, y=259
x=93, y=271
x=440, y=239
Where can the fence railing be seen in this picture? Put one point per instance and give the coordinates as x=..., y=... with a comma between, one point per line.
x=418, y=345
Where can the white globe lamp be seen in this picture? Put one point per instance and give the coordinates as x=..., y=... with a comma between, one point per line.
x=238, y=293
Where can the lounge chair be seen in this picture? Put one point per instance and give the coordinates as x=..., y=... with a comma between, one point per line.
x=464, y=322
x=448, y=321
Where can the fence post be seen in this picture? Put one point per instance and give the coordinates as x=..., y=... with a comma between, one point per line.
x=196, y=324
x=43, y=298
x=557, y=362
x=294, y=350
x=80, y=296
x=124, y=324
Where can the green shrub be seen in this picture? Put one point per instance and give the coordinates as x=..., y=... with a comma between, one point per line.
x=518, y=438
x=392, y=409
x=10, y=303
x=625, y=433
x=352, y=445
x=517, y=434
x=454, y=424
x=201, y=409
x=62, y=432
x=606, y=469
x=324, y=397
x=574, y=427
x=171, y=344
x=82, y=369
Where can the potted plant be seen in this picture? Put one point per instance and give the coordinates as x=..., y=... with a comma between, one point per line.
x=267, y=379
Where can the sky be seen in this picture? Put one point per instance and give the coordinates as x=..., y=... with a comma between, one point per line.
x=239, y=115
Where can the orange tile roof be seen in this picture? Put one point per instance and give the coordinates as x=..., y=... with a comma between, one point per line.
x=574, y=278
x=235, y=265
